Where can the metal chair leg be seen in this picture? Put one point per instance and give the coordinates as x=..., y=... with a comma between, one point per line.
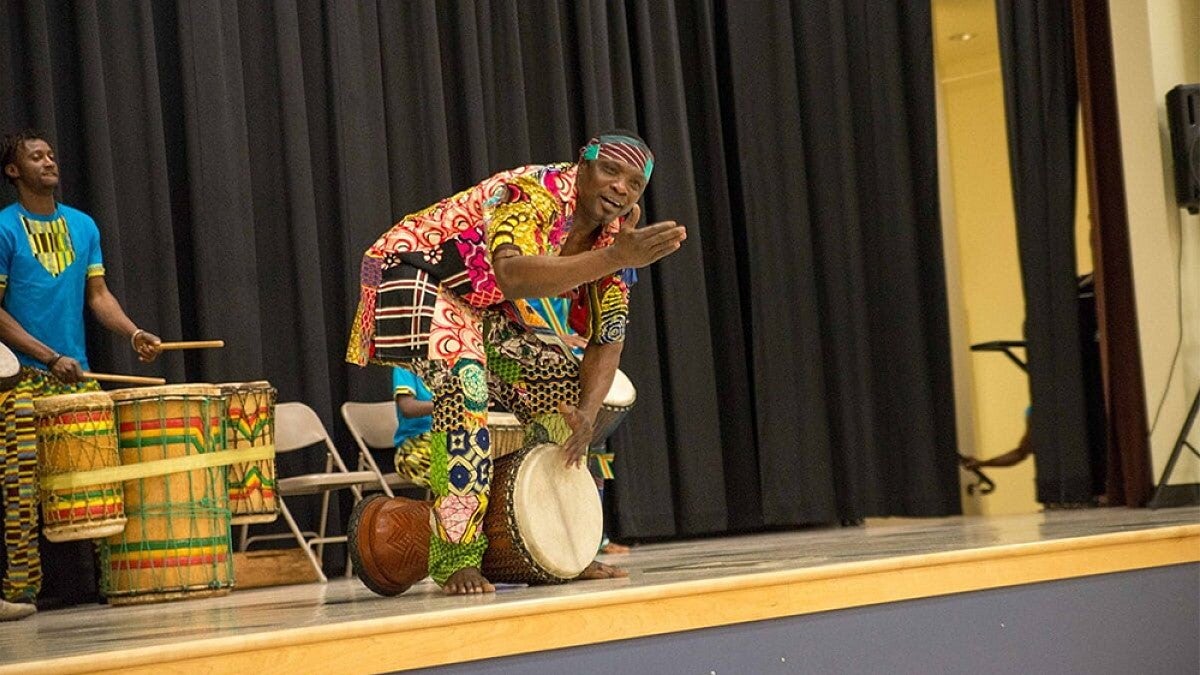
x=312, y=559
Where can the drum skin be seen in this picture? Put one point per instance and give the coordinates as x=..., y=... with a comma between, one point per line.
x=544, y=520
x=389, y=542
x=10, y=368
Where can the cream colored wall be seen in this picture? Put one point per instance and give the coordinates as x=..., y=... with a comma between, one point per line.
x=991, y=280
x=1156, y=45
x=983, y=266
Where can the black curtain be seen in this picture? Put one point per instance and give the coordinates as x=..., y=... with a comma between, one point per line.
x=1038, y=62
x=791, y=360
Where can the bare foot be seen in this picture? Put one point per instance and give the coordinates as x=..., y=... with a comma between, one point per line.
x=467, y=581
x=598, y=570
x=613, y=547
x=13, y=611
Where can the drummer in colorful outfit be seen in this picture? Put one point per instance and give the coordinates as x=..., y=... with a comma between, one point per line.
x=50, y=267
x=436, y=292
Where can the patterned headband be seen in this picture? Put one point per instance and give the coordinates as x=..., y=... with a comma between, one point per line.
x=622, y=149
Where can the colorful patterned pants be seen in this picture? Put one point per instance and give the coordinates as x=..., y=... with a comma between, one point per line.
x=526, y=375
x=23, y=574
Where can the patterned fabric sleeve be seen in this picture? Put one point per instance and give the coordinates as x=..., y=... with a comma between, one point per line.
x=512, y=224
x=6, y=254
x=95, y=261
x=404, y=382
x=521, y=214
x=607, y=309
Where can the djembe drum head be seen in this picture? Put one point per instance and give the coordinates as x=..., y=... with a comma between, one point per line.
x=544, y=520
x=10, y=368
x=620, y=399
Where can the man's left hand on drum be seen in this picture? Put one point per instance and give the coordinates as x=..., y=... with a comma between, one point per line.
x=147, y=345
x=581, y=425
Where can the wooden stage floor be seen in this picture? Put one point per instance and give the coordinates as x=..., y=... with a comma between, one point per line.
x=672, y=587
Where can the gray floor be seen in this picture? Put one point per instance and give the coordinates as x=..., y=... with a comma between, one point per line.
x=91, y=629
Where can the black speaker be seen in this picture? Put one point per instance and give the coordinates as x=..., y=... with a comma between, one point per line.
x=1183, y=118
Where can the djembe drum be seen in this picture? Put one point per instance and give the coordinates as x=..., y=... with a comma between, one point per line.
x=76, y=434
x=250, y=423
x=10, y=368
x=506, y=432
x=621, y=397
x=544, y=521
x=389, y=542
x=176, y=544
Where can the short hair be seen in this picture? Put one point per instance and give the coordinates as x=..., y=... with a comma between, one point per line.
x=12, y=143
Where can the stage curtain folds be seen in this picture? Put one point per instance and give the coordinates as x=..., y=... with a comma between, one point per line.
x=791, y=361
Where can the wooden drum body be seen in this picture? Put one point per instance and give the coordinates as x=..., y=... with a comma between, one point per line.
x=76, y=433
x=544, y=520
x=177, y=542
x=506, y=432
x=250, y=423
x=389, y=542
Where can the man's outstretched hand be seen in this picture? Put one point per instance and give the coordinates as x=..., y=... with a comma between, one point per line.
x=638, y=247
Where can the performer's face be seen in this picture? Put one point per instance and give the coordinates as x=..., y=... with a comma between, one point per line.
x=35, y=167
x=608, y=188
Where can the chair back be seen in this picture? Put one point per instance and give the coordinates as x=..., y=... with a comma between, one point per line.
x=297, y=426
x=374, y=423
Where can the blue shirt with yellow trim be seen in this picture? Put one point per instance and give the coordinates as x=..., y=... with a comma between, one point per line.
x=404, y=381
x=45, y=262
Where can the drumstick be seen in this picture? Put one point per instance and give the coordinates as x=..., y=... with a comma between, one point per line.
x=195, y=344
x=127, y=379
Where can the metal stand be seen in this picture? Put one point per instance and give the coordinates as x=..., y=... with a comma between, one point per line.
x=1006, y=347
x=1180, y=443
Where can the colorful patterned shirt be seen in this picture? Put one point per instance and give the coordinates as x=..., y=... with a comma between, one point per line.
x=530, y=209
x=45, y=262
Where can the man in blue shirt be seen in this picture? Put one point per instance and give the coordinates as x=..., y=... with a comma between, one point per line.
x=50, y=268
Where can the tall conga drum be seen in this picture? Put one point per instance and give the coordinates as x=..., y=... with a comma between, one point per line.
x=544, y=521
x=177, y=542
x=250, y=423
x=76, y=436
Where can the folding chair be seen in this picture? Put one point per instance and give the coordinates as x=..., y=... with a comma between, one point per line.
x=373, y=427
x=297, y=427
